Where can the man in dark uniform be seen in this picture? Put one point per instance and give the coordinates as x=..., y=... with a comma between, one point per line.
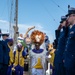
x=5, y=53
x=58, y=61
x=69, y=53
x=1, y=54
x=47, y=42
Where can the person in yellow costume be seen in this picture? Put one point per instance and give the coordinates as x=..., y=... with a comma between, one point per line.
x=51, y=52
x=19, y=56
x=37, y=55
x=11, y=56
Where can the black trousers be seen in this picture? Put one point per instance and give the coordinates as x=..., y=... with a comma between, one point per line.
x=26, y=67
x=59, y=69
x=4, y=69
x=1, y=69
x=70, y=71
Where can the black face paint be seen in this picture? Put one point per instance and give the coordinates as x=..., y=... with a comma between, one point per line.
x=11, y=44
x=19, y=48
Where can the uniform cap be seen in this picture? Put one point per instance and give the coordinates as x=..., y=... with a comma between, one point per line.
x=63, y=18
x=71, y=10
x=5, y=34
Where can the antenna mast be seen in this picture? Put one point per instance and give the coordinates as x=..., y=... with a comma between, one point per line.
x=16, y=33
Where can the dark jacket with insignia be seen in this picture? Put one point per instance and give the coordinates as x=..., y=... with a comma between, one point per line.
x=60, y=47
x=5, y=52
x=1, y=53
x=69, y=53
x=57, y=34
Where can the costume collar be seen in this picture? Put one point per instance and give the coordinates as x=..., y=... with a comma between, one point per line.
x=37, y=51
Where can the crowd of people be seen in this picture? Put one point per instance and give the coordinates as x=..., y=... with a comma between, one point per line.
x=13, y=58
x=40, y=52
